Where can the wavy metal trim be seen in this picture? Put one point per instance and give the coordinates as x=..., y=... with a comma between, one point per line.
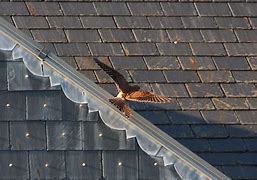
x=74, y=93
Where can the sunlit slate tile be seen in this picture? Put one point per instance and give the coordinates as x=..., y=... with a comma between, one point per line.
x=212, y=9
x=82, y=36
x=12, y=105
x=216, y=76
x=46, y=165
x=232, y=23
x=253, y=62
x=136, y=49
x=181, y=76
x=204, y=90
x=243, y=9
x=151, y=35
x=78, y=8
x=98, y=136
x=44, y=8
x=71, y=49
x=111, y=8
x=30, y=22
x=246, y=35
x=64, y=135
x=152, y=168
x=49, y=35
x=120, y=164
x=231, y=63
x=185, y=35
x=178, y=9
x=165, y=22
x=128, y=62
x=196, y=63
x=64, y=22
x=83, y=164
x=252, y=103
x=4, y=136
x=145, y=9
x=174, y=49
x=131, y=22
x=170, y=90
x=245, y=76
x=13, y=8
x=199, y=22
x=230, y=103
x=27, y=135
x=239, y=90
x=208, y=49
x=247, y=117
x=90, y=22
x=20, y=78
x=105, y=49
x=44, y=105
x=162, y=62
x=195, y=103
x=241, y=49
x=219, y=35
x=19, y=165
x=117, y=35
x=147, y=76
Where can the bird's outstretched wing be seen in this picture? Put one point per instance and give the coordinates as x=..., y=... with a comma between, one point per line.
x=118, y=78
x=145, y=96
x=121, y=105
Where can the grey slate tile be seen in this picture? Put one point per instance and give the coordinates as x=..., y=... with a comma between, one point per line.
x=151, y=35
x=27, y=136
x=165, y=22
x=127, y=169
x=82, y=36
x=170, y=90
x=216, y=76
x=145, y=9
x=240, y=172
x=3, y=74
x=153, y=107
x=151, y=168
x=111, y=8
x=98, y=136
x=147, y=76
x=140, y=49
x=231, y=63
x=196, y=63
x=230, y=103
x=162, y=62
x=241, y=49
x=125, y=62
x=30, y=22
x=199, y=22
x=253, y=22
x=178, y=9
x=47, y=164
x=208, y=49
x=232, y=23
x=243, y=9
x=204, y=90
x=181, y=76
x=4, y=136
x=220, y=117
x=186, y=117
x=212, y=9
x=155, y=117
x=49, y=35
x=196, y=145
x=177, y=131
x=245, y=76
x=12, y=105
x=227, y=145
x=252, y=103
x=239, y=90
x=18, y=160
x=219, y=35
x=185, y=35
x=209, y=131
x=117, y=35
x=44, y=8
x=242, y=130
x=195, y=103
x=247, y=117
x=105, y=49
x=87, y=63
x=83, y=164
x=78, y=8
x=251, y=144
x=13, y=8
x=66, y=22
x=246, y=35
x=174, y=49
x=131, y=22
x=102, y=77
x=43, y=106
x=253, y=62
x=89, y=74
x=64, y=135
x=71, y=49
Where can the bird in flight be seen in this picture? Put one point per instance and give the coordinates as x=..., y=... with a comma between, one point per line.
x=127, y=92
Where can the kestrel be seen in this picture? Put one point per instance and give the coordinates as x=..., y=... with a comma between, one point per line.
x=127, y=92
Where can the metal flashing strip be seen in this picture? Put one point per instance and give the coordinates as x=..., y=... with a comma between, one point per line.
x=154, y=141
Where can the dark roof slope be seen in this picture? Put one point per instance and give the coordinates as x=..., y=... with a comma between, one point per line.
x=202, y=54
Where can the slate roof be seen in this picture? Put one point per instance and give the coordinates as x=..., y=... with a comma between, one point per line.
x=202, y=54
